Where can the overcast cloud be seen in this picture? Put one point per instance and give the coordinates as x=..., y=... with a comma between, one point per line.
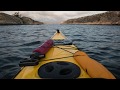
x=52, y=17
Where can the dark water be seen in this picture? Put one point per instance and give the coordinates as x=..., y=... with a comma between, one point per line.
x=100, y=42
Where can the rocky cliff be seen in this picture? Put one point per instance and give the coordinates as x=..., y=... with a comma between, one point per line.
x=110, y=17
x=27, y=20
x=6, y=19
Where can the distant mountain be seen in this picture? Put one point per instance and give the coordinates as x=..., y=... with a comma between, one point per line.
x=6, y=19
x=110, y=17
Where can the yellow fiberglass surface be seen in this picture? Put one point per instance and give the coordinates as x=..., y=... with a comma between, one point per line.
x=89, y=68
x=54, y=54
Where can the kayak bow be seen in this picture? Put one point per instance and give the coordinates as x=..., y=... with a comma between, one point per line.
x=63, y=60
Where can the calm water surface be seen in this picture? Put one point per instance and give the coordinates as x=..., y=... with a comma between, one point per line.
x=100, y=42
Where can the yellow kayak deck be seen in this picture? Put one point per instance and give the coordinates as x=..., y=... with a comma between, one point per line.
x=54, y=54
x=88, y=68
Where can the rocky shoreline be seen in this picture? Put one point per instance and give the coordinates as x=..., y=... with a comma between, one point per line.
x=6, y=19
x=107, y=18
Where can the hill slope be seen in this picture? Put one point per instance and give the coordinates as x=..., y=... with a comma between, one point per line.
x=6, y=19
x=110, y=17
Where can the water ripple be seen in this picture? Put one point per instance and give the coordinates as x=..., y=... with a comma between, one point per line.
x=100, y=42
x=31, y=43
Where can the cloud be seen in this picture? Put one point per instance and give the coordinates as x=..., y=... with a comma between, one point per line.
x=51, y=17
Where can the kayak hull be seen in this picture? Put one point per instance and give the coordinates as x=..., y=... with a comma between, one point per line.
x=64, y=62
x=53, y=55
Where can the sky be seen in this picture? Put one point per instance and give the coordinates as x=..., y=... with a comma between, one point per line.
x=54, y=17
